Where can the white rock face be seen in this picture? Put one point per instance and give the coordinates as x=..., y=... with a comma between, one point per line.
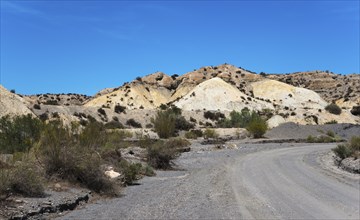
x=216, y=94
x=12, y=104
x=287, y=95
x=275, y=121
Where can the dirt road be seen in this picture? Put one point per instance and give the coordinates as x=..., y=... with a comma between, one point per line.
x=267, y=181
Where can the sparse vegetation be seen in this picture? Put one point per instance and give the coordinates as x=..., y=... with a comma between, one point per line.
x=161, y=153
x=210, y=133
x=331, y=122
x=329, y=137
x=37, y=106
x=19, y=133
x=352, y=148
x=168, y=122
x=214, y=116
x=23, y=179
x=257, y=126
x=119, y=109
x=252, y=121
x=193, y=134
x=101, y=111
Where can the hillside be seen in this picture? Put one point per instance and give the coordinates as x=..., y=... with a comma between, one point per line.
x=12, y=104
x=299, y=97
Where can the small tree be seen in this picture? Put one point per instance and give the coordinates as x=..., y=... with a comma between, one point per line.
x=257, y=126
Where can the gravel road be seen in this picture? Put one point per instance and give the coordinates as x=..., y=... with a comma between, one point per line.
x=257, y=181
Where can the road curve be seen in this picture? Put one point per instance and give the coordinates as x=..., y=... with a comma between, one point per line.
x=254, y=182
x=289, y=184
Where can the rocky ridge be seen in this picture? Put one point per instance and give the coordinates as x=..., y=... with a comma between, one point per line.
x=298, y=97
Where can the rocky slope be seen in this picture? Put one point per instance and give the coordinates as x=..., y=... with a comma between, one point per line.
x=342, y=89
x=12, y=104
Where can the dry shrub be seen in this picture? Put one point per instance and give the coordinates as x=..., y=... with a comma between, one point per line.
x=161, y=153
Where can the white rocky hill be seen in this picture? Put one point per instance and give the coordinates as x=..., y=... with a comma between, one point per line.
x=217, y=95
x=12, y=104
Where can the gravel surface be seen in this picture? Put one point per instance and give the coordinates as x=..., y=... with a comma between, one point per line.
x=294, y=131
x=260, y=181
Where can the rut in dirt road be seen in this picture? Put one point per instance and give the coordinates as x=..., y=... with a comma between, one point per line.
x=255, y=182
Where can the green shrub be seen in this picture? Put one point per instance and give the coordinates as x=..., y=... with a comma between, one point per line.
x=36, y=106
x=131, y=122
x=19, y=133
x=119, y=109
x=114, y=125
x=130, y=171
x=257, y=126
x=342, y=151
x=75, y=157
x=331, y=122
x=182, y=124
x=101, y=111
x=214, y=116
x=237, y=119
x=311, y=139
x=333, y=109
x=355, y=143
x=193, y=134
x=330, y=134
x=210, y=133
x=160, y=154
x=164, y=123
x=23, y=179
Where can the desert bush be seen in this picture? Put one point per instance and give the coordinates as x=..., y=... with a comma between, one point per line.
x=333, y=109
x=210, y=133
x=93, y=136
x=331, y=122
x=164, y=123
x=237, y=119
x=310, y=139
x=330, y=133
x=177, y=143
x=75, y=157
x=36, y=106
x=257, y=127
x=214, y=116
x=19, y=133
x=355, y=143
x=342, y=151
x=160, y=154
x=51, y=102
x=114, y=125
x=193, y=134
x=131, y=122
x=355, y=110
x=23, y=179
x=44, y=116
x=101, y=111
x=351, y=148
x=330, y=137
x=182, y=124
x=119, y=109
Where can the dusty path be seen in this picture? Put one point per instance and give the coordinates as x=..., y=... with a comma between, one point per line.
x=257, y=181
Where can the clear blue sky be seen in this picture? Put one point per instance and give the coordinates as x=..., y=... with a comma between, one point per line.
x=85, y=46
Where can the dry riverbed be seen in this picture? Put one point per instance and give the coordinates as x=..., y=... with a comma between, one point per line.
x=258, y=181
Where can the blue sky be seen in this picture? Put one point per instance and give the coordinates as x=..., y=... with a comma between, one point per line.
x=85, y=46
